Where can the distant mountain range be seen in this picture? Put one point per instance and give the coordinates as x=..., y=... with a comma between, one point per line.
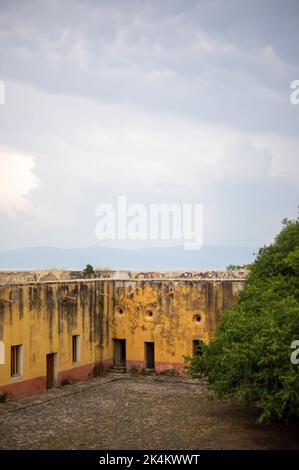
x=208, y=257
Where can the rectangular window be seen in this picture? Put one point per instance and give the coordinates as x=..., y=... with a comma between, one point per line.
x=76, y=348
x=16, y=361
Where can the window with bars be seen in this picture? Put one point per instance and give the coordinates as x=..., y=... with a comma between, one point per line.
x=16, y=361
x=76, y=348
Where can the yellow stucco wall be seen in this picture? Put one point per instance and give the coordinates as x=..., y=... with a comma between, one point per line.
x=43, y=318
x=169, y=313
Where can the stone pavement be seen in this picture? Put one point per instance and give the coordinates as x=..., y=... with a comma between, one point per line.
x=128, y=411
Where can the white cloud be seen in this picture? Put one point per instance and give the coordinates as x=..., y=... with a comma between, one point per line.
x=159, y=101
x=17, y=180
x=89, y=152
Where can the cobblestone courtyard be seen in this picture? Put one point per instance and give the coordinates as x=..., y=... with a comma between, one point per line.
x=123, y=411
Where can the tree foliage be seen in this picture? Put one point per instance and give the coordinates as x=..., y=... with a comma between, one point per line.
x=237, y=267
x=249, y=356
x=88, y=270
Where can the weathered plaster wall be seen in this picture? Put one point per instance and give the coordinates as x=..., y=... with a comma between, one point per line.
x=43, y=316
x=169, y=313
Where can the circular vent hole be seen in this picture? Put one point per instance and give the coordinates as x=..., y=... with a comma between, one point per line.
x=149, y=314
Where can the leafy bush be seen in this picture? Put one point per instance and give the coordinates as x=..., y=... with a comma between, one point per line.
x=249, y=356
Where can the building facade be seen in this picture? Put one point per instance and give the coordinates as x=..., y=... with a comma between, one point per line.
x=56, y=328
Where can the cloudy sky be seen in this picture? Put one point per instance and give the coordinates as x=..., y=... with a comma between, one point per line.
x=162, y=101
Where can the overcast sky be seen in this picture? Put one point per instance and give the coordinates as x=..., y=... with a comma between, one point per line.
x=162, y=101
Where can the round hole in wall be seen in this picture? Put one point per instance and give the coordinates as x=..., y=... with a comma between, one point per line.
x=197, y=318
x=119, y=310
x=149, y=314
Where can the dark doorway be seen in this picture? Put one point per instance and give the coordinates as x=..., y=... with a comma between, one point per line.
x=195, y=347
x=119, y=353
x=50, y=373
x=149, y=355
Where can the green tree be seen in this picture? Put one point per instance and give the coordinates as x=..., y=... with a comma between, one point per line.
x=88, y=270
x=249, y=356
